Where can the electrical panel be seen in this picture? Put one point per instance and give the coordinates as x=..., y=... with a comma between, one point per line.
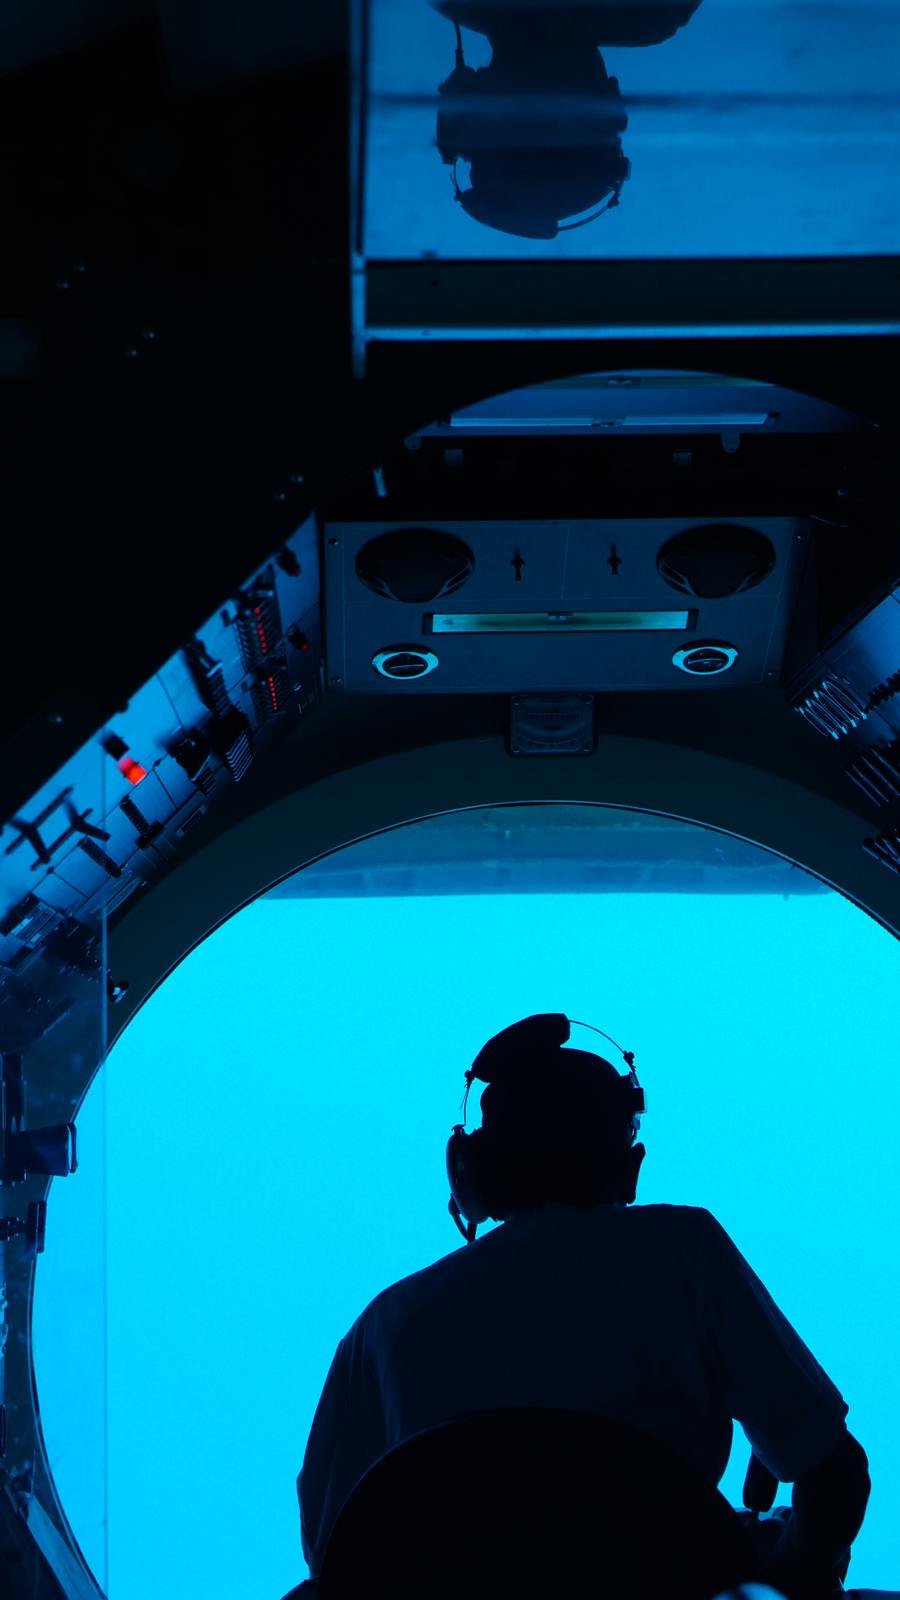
x=849, y=692
x=118, y=810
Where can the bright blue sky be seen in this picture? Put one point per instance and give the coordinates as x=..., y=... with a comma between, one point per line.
x=250, y=1213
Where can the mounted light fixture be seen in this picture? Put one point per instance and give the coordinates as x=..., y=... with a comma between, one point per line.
x=559, y=622
x=682, y=422
x=706, y=658
x=415, y=564
x=716, y=560
x=404, y=662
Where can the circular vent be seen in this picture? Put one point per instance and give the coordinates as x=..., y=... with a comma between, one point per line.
x=705, y=658
x=404, y=662
x=716, y=561
x=415, y=564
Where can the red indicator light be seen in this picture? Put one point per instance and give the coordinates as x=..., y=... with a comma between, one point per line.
x=132, y=770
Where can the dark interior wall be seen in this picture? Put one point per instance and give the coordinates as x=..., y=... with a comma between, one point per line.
x=37, y=30
x=217, y=41
x=206, y=41
x=218, y=220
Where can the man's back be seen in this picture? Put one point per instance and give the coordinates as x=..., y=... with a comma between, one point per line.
x=647, y=1314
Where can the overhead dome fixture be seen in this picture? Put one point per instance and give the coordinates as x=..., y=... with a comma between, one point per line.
x=415, y=564
x=705, y=658
x=717, y=560
x=405, y=662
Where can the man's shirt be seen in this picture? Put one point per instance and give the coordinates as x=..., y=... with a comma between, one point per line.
x=648, y=1315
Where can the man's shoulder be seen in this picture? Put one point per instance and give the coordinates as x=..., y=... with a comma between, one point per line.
x=667, y=1222
x=671, y=1216
x=405, y=1289
x=693, y=1223
x=685, y=1228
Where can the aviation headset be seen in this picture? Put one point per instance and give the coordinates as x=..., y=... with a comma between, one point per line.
x=469, y=1163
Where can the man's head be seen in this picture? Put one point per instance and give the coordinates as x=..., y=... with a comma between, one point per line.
x=559, y=1131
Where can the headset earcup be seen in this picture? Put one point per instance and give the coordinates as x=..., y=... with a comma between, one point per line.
x=464, y=1174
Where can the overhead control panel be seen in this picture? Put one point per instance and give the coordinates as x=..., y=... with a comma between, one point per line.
x=497, y=607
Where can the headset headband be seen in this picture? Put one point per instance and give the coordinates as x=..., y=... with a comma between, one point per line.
x=499, y=1061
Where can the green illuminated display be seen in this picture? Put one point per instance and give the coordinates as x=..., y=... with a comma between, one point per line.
x=559, y=622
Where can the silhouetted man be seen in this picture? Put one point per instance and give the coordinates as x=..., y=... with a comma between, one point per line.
x=648, y=1315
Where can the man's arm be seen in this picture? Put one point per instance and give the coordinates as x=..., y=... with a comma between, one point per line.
x=347, y=1436
x=829, y=1504
x=790, y=1411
